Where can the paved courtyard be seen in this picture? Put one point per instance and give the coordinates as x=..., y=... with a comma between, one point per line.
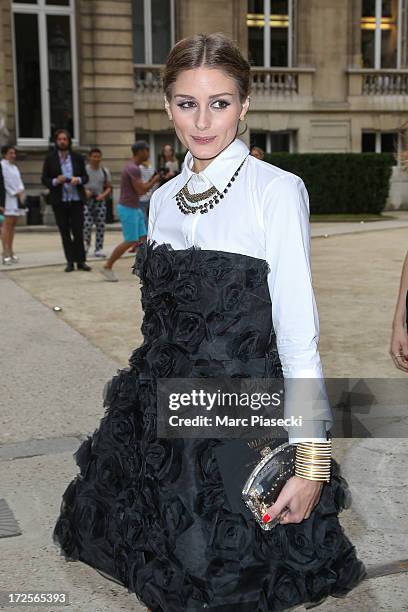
x=56, y=364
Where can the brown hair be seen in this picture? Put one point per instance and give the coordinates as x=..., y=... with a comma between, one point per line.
x=212, y=51
x=67, y=134
x=257, y=149
x=6, y=148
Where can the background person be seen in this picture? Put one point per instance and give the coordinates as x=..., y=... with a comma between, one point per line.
x=399, y=337
x=65, y=175
x=130, y=214
x=97, y=190
x=147, y=171
x=11, y=201
x=168, y=164
x=257, y=152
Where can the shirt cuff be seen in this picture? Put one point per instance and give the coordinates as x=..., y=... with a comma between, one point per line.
x=79, y=180
x=54, y=182
x=310, y=431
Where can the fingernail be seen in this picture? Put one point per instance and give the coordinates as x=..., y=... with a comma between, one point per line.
x=266, y=518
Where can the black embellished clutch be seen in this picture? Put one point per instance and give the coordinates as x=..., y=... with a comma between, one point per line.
x=254, y=473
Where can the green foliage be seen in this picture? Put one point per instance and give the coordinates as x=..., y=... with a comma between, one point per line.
x=341, y=182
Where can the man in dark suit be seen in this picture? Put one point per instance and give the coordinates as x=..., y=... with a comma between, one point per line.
x=65, y=176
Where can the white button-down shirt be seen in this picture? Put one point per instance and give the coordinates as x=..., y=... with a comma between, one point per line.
x=265, y=214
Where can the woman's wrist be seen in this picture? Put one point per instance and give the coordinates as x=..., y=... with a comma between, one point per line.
x=313, y=460
x=398, y=321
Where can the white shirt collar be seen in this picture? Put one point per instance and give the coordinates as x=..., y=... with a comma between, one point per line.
x=218, y=172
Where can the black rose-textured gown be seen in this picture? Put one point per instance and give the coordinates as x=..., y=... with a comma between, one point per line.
x=152, y=513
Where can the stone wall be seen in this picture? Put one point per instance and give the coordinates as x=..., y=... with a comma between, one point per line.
x=106, y=86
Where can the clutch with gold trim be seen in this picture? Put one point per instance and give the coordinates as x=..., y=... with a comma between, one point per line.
x=254, y=473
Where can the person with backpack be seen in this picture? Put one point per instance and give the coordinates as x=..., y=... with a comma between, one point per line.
x=97, y=191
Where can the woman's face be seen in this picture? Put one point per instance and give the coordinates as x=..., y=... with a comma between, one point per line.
x=206, y=110
x=168, y=152
x=11, y=155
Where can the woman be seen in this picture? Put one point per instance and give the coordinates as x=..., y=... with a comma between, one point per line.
x=13, y=201
x=399, y=337
x=147, y=172
x=153, y=513
x=168, y=162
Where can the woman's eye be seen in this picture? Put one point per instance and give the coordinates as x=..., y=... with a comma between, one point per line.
x=218, y=104
x=222, y=103
x=185, y=104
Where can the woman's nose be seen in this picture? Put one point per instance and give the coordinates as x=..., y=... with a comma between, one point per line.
x=202, y=119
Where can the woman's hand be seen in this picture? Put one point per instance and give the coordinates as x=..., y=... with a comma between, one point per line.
x=21, y=196
x=399, y=347
x=300, y=496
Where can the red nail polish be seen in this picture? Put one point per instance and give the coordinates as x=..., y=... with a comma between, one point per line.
x=266, y=518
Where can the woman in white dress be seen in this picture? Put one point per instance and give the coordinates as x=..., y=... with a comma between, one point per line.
x=13, y=198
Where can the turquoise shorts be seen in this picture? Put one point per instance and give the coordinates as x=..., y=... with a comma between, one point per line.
x=133, y=223
x=1, y=218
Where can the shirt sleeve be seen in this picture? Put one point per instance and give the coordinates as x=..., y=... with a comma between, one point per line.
x=294, y=312
x=13, y=182
x=108, y=176
x=134, y=171
x=152, y=216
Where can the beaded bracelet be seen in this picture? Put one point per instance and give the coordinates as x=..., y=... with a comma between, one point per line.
x=313, y=460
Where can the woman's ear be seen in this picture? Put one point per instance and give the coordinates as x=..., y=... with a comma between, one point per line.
x=245, y=108
x=167, y=107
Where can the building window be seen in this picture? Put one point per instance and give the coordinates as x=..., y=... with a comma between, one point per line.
x=275, y=142
x=153, y=30
x=380, y=33
x=379, y=142
x=45, y=70
x=270, y=32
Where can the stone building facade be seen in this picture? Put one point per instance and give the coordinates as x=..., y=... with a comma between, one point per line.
x=328, y=75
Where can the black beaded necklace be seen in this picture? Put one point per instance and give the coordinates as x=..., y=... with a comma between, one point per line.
x=212, y=195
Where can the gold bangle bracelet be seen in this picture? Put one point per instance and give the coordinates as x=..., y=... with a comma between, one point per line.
x=313, y=460
x=312, y=466
x=318, y=464
x=313, y=478
x=310, y=472
x=312, y=456
x=308, y=454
